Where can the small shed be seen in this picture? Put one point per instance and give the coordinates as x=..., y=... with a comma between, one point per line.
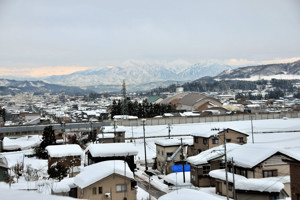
x=112, y=151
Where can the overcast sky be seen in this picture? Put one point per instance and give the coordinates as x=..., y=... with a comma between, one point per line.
x=79, y=34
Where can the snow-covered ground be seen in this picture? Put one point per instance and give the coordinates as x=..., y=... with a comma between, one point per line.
x=285, y=139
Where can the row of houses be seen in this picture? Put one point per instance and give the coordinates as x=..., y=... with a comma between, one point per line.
x=259, y=171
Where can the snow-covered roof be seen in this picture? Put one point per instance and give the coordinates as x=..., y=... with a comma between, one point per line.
x=125, y=117
x=173, y=142
x=110, y=129
x=25, y=142
x=251, y=184
x=210, y=154
x=92, y=174
x=64, y=150
x=112, y=149
x=106, y=135
x=189, y=194
x=177, y=178
x=249, y=155
x=209, y=133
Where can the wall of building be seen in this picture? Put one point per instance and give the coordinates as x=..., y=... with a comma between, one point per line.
x=295, y=183
x=163, y=165
x=215, y=118
x=108, y=185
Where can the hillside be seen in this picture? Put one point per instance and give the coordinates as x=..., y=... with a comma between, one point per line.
x=38, y=87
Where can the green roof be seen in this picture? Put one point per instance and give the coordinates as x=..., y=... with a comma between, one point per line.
x=153, y=99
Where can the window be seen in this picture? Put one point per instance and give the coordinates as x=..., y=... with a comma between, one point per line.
x=121, y=188
x=162, y=152
x=196, y=140
x=120, y=134
x=240, y=140
x=169, y=154
x=215, y=141
x=228, y=140
x=94, y=190
x=230, y=187
x=193, y=177
x=205, y=170
x=204, y=141
x=222, y=165
x=99, y=190
x=158, y=152
x=270, y=173
x=244, y=172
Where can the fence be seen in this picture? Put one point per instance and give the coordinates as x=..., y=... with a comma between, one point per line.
x=214, y=118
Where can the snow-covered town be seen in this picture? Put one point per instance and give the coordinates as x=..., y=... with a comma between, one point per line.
x=259, y=157
x=149, y=100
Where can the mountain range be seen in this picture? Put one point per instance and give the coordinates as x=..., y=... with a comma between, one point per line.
x=138, y=77
x=141, y=77
x=37, y=87
x=266, y=72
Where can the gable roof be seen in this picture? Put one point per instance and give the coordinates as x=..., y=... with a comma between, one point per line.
x=205, y=156
x=251, y=184
x=211, y=133
x=112, y=149
x=173, y=142
x=64, y=150
x=250, y=155
x=101, y=170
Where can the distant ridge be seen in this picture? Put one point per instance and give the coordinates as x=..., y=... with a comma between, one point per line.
x=12, y=87
x=267, y=72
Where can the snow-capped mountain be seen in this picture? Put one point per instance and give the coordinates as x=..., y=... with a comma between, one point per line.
x=137, y=74
x=267, y=72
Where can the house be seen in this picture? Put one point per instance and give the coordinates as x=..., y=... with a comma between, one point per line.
x=106, y=137
x=254, y=161
x=68, y=155
x=3, y=169
x=207, y=140
x=207, y=161
x=119, y=133
x=192, y=101
x=169, y=152
x=114, y=180
x=242, y=188
x=295, y=177
x=112, y=151
x=260, y=161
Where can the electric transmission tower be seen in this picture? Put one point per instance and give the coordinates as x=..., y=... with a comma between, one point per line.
x=124, y=104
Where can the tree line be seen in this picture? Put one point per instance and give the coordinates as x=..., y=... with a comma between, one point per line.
x=141, y=110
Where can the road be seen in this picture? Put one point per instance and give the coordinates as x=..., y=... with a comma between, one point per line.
x=145, y=186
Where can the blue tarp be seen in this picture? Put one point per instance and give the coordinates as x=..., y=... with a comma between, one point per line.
x=179, y=168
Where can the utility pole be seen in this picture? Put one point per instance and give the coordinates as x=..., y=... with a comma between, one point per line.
x=115, y=129
x=144, y=122
x=234, y=193
x=225, y=155
x=182, y=159
x=169, y=130
x=252, y=130
x=225, y=152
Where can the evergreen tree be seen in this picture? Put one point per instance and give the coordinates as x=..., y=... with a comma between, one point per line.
x=2, y=113
x=48, y=139
x=58, y=171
